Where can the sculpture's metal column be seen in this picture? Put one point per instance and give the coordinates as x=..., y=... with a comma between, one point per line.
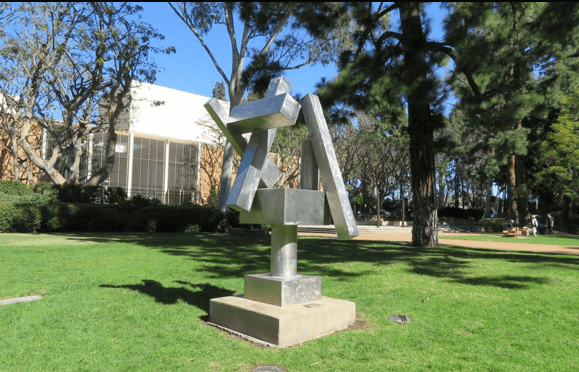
x=284, y=251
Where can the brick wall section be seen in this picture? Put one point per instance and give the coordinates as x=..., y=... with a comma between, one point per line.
x=6, y=158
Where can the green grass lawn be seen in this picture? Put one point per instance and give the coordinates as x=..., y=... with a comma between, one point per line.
x=138, y=302
x=567, y=240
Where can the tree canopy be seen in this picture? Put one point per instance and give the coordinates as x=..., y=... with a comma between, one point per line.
x=68, y=68
x=275, y=37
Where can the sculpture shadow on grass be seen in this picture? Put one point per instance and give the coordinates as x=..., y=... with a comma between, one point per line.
x=198, y=297
x=225, y=256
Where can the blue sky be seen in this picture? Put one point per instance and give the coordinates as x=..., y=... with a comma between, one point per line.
x=191, y=69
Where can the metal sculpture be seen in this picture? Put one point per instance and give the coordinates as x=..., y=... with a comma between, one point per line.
x=258, y=203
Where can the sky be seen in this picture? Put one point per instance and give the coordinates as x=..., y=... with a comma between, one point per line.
x=191, y=70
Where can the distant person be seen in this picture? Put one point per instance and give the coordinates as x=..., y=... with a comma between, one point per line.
x=509, y=225
x=550, y=223
x=534, y=224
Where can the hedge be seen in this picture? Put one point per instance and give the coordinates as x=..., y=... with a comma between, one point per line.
x=27, y=209
x=460, y=213
x=20, y=207
x=19, y=217
x=166, y=218
x=14, y=188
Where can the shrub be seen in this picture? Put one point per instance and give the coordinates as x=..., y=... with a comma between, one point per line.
x=493, y=225
x=58, y=216
x=460, y=213
x=542, y=229
x=19, y=217
x=194, y=229
x=178, y=219
x=232, y=217
x=90, y=194
x=20, y=207
x=94, y=218
x=136, y=202
x=14, y=188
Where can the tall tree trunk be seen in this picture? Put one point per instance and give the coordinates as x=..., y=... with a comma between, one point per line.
x=566, y=209
x=402, y=206
x=236, y=92
x=107, y=168
x=489, y=185
x=512, y=187
x=456, y=184
x=422, y=153
x=14, y=149
x=378, y=208
x=226, y=176
x=105, y=171
x=47, y=166
x=522, y=191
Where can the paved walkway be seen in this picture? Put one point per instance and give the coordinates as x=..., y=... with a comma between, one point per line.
x=405, y=235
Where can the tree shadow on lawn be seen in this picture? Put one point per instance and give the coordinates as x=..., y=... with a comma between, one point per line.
x=225, y=256
x=171, y=295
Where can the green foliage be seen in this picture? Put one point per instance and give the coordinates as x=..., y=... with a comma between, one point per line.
x=19, y=217
x=90, y=194
x=460, y=213
x=219, y=90
x=46, y=188
x=41, y=211
x=70, y=60
x=163, y=218
x=213, y=197
x=193, y=229
x=58, y=216
x=136, y=202
x=560, y=150
x=276, y=37
x=21, y=208
x=14, y=188
x=493, y=225
x=94, y=218
x=232, y=217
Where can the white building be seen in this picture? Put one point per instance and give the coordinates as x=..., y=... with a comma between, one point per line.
x=160, y=145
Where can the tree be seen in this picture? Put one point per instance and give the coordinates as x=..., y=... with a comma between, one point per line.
x=560, y=152
x=510, y=60
x=382, y=158
x=75, y=60
x=274, y=39
x=219, y=90
x=403, y=62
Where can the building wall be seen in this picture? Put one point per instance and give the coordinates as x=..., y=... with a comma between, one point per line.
x=170, y=113
x=7, y=159
x=170, y=151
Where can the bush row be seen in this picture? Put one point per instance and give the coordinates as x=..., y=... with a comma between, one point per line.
x=460, y=213
x=23, y=210
x=60, y=217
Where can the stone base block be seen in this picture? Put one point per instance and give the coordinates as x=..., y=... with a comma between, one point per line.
x=282, y=326
x=282, y=291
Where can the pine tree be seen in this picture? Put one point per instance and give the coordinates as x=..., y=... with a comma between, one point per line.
x=510, y=59
x=401, y=64
x=219, y=90
x=560, y=152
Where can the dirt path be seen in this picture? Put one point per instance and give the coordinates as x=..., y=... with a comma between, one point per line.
x=512, y=246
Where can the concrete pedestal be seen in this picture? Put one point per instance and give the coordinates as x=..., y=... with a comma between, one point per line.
x=282, y=326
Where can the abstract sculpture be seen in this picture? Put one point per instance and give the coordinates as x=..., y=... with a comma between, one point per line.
x=282, y=307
